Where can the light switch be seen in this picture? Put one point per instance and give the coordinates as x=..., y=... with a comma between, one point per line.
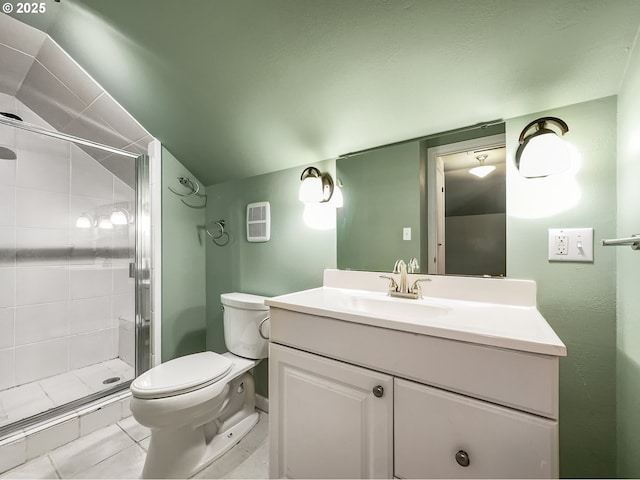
x=571, y=244
x=406, y=233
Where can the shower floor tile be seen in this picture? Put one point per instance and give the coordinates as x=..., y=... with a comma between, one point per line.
x=119, y=368
x=64, y=388
x=115, y=452
x=94, y=375
x=20, y=402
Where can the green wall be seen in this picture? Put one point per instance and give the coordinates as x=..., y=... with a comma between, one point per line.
x=381, y=197
x=628, y=273
x=183, y=265
x=577, y=299
x=292, y=260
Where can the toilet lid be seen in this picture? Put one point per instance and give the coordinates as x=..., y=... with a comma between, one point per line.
x=246, y=301
x=181, y=375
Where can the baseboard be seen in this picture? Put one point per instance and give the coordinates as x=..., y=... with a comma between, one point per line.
x=262, y=403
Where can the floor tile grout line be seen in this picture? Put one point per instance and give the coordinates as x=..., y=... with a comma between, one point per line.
x=55, y=468
x=79, y=474
x=127, y=433
x=76, y=441
x=47, y=393
x=250, y=456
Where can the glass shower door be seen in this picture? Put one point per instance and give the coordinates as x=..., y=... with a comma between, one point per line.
x=71, y=312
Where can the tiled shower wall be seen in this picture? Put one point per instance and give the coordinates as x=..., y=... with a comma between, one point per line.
x=65, y=292
x=36, y=71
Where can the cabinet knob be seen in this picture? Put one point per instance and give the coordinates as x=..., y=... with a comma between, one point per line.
x=462, y=458
x=378, y=391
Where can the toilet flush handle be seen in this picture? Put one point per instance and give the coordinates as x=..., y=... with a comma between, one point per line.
x=260, y=328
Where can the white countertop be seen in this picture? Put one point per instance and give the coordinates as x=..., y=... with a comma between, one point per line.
x=514, y=327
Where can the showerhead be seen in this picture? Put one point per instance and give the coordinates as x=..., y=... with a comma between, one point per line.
x=7, y=154
x=11, y=115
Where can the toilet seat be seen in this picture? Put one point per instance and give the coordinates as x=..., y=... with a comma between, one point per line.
x=181, y=375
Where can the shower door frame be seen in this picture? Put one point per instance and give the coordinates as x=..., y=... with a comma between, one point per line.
x=140, y=270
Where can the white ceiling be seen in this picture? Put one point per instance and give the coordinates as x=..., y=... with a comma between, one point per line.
x=241, y=87
x=466, y=160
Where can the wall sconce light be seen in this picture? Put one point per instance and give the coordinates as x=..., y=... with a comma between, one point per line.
x=482, y=170
x=119, y=216
x=316, y=187
x=543, y=152
x=84, y=221
x=104, y=223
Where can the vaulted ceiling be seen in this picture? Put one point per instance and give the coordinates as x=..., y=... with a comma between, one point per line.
x=235, y=88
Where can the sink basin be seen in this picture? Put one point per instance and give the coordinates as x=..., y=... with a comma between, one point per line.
x=394, y=307
x=493, y=312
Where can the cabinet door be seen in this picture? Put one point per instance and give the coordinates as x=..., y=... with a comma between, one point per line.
x=325, y=420
x=438, y=432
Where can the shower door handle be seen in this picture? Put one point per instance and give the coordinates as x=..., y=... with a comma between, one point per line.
x=132, y=270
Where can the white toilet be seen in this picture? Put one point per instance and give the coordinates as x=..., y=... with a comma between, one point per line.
x=200, y=405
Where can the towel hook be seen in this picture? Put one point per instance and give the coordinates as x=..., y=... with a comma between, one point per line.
x=215, y=237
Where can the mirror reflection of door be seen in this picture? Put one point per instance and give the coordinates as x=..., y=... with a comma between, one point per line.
x=466, y=212
x=439, y=258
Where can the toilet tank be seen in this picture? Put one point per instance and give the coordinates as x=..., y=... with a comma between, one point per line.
x=244, y=318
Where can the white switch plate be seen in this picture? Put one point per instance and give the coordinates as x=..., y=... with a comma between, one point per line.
x=406, y=233
x=571, y=244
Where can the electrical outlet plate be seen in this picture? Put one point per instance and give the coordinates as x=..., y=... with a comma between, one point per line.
x=571, y=244
x=406, y=233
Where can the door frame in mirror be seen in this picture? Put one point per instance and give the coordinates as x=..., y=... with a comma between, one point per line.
x=434, y=263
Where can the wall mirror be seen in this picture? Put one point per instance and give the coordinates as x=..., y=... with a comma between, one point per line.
x=422, y=199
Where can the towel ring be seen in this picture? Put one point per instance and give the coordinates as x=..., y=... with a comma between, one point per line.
x=194, y=187
x=217, y=236
x=188, y=183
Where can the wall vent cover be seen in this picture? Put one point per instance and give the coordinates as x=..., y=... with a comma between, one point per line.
x=258, y=222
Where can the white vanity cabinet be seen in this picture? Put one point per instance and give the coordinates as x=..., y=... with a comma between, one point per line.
x=329, y=423
x=446, y=409
x=439, y=434
x=462, y=383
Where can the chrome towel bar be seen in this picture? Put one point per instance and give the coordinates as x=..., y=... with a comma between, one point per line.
x=633, y=241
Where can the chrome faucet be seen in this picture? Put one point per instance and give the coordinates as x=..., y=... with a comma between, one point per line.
x=401, y=268
x=402, y=289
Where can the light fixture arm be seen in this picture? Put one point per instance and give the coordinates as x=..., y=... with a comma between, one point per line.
x=310, y=172
x=541, y=123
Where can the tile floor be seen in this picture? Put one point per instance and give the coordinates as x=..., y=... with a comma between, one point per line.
x=51, y=392
x=118, y=452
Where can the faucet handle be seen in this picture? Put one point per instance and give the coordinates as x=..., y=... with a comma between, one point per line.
x=413, y=266
x=397, y=268
x=415, y=288
x=393, y=285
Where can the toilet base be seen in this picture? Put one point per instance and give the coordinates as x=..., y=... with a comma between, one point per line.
x=221, y=444
x=197, y=459
x=182, y=452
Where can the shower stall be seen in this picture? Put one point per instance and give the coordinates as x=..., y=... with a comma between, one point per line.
x=74, y=269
